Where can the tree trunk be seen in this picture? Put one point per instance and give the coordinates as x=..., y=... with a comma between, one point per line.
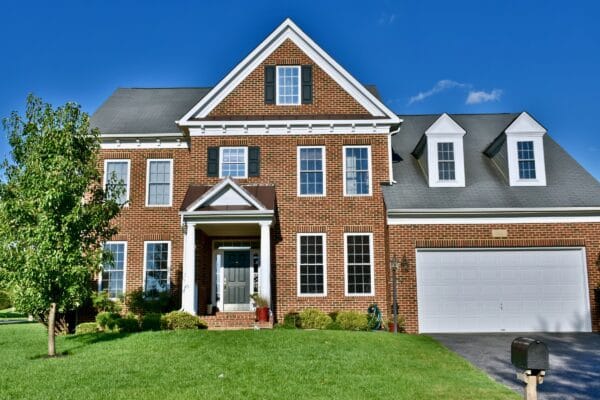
x=51, y=333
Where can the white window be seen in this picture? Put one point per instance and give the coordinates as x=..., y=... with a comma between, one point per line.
x=112, y=278
x=446, y=168
x=525, y=152
x=288, y=85
x=157, y=263
x=116, y=180
x=234, y=162
x=357, y=170
x=526, y=157
x=159, y=177
x=312, y=264
x=311, y=171
x=358, y=264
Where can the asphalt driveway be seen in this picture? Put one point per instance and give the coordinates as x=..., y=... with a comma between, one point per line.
x=574, y=361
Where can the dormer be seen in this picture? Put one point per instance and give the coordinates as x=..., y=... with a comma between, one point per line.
x=525, y=152
x=445, y=154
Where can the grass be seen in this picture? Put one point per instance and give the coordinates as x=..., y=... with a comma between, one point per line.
x=10, y=313
x=266, y=364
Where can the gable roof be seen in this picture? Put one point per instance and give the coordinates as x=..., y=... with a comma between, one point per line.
x=568, y=184
x=256, y=197
x=288, y=30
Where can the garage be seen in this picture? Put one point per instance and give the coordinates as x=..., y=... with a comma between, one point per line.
x=502, y=290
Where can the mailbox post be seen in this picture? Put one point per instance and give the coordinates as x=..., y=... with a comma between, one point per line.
x=531, y=358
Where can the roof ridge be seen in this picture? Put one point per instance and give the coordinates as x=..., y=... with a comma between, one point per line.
x=457, y=114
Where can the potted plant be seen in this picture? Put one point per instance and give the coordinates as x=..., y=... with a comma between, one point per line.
x=389, y=324
x=262, y=307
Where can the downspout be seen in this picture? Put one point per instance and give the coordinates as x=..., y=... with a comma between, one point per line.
x=391, y=172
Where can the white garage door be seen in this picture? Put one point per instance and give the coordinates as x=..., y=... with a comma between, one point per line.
x=502, y=290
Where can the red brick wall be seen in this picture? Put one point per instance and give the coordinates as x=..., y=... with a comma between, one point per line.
x=405, y=239
x=328, y=97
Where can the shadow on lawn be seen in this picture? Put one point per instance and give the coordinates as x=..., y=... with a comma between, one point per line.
x=83, y=341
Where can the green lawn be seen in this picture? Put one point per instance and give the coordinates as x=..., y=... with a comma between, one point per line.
x=266, y=364
x=10, y=313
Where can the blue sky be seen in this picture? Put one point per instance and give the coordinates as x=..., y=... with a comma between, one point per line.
x=425, y=56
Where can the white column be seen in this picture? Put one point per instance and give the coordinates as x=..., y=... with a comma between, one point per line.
x=189, y=301
x=264, y=276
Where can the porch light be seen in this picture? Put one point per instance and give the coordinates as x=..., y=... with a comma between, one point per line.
x=404, y=263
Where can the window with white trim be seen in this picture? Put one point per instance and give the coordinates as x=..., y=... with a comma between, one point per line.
x=311, y=171
x=446, y=166
x=160, y=174
x=357, y=170
x=526, y=158
x=157, y=262
x=359, y=264
x=116, y=180
x=312, y=278
x=288, y=85
x=234, y=162
x=112, y=278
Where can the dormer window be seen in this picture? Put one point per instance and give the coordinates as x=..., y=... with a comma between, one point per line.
x=525, y=152
x=446, y=170
x=288, y=85
x=445, y=157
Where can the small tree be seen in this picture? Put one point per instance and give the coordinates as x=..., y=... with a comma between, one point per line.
x=54, y=213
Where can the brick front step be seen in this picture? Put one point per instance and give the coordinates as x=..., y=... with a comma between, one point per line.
x=235, y=320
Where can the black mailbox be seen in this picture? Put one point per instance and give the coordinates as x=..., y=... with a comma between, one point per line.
x=528, y=353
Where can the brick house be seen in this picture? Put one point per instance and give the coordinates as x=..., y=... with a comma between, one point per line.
x=291, y=179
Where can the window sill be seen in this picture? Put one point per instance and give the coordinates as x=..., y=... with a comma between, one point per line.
x=312, y=295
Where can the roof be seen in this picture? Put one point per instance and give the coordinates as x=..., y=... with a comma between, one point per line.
x=568, y=184
x=152, y=110
x=265, y=194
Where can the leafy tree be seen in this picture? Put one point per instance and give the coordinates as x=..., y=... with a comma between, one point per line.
x=54, y=212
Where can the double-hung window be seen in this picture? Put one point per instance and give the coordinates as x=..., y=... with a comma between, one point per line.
x=311, y=171
x=234, y=162
x=116, y=180
x=526, y=159
x=312, y=275
x=112, y=278
x=159, y=178
x=359, y=264
x=446, y=166
x=288, y=85
x=157, y=260
x=357, y=170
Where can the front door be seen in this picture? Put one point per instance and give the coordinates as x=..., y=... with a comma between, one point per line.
x=236, y=280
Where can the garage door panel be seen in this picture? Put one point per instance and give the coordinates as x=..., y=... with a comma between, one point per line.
x=502, y=290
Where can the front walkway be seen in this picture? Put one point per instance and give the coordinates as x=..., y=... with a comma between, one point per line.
x=574, y=361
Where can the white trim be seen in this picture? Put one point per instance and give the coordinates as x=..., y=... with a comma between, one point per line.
x=445, y=130
x=245, y=148
x=142, y=143
x=372, y=258
x=490, y=220
x=277, y=68
x=124, y=243
x=513, y=160
x=126, y=160
x=287, y=128
x=146, y=243
x=289, y=30
x=494, y=210
x=368, y=147
x=298, y=291
x=148, y=161
x=324, y=170
x=210, y=194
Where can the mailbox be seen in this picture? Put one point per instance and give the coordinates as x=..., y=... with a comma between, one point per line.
x=529, y=354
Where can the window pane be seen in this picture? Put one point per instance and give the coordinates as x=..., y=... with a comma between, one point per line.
x=357, y=170
x=233, y=162
x=311, y=265
x=526, y=158
x=113, y=270
x=311, y=171
x=117, y=180
x=288, y=85
x=157, y=266
x=159, y=183
x=446, y=167
x=358, y=264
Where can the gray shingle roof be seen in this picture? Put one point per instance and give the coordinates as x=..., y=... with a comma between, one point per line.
x=144, y=111
x=568, y=184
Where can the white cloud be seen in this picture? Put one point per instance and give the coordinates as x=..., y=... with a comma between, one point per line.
x=480, y=96
x=386, y=19
x=440, y=86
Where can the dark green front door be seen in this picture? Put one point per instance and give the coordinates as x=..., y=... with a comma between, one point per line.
x=236, y=285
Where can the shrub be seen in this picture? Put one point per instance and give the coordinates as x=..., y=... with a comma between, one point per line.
x=400, y=323
x=151, y=322
x=85, y=328
x=106, y=320
x=127, y=324
x=311, y=318
x=102, y=302
x=291, y=320
x=176, y=320
x=353, y=321
x=334, y=326
x=140, y=302
x=5, y=301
